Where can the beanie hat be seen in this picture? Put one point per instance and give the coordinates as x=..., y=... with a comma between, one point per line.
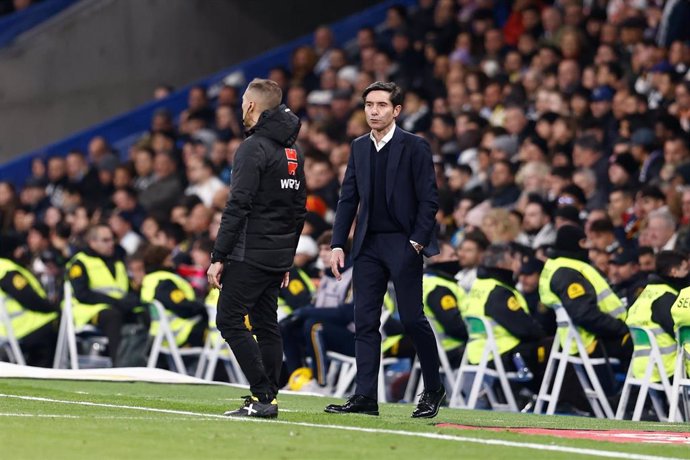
x=568, y=238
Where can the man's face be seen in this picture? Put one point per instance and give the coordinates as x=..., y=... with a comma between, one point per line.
x=530, y=283
x=325, y=255
x=647, y=263
x=469, y=254
x=659, y=232
x=103, y=242
x=379, y=110
x=534, y=218
x=248, y=106
x=619, y=203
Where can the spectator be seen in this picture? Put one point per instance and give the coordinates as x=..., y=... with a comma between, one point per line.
x=537, y=229
x=160, y=196
x=202, y=182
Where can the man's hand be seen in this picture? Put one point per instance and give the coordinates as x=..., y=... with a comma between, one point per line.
x=337, y=262
x=214, y=273
x=286, y=280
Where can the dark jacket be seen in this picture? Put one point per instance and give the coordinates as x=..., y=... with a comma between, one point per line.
x=265, y=213
x=411, y=192
x=584, y=310
x=518, y=322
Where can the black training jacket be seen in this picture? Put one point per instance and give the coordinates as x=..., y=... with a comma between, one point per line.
x=264, y=215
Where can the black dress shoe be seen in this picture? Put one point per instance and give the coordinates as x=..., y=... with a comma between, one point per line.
x=429, y=403
x=357, y=404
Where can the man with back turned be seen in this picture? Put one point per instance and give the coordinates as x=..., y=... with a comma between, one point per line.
x=390, y=178
x=256, y=242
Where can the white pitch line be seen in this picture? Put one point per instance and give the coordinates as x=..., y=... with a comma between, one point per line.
x=106, y=417
x=444, y=437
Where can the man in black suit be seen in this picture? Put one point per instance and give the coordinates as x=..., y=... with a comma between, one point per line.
x=390, y=178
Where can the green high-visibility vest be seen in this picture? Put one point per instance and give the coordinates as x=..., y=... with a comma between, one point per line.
x=100, y=280
x=181, y=327
x=640, y=314
x=429, y=283
x=680, y=312
x=283, y=307
x=476, y=306
x=607, y=301
x=23, y=321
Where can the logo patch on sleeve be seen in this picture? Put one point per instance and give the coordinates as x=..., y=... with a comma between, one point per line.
x=177, y=296
x=19, y=282
x=513, y=304
x=576, y=290
x=75, y=271
x=295, y=287
x=448, y=302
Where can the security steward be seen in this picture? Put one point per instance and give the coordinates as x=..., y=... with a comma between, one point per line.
x=256, y=242
x=627, y=281
x=652, y=310
x=100, y=284
x=33, y=318
x=443, y=298
x=298, y=293
x=528, y=285
x=187, y=317
x=494, y=296
x=680, y=312
x=569, y=281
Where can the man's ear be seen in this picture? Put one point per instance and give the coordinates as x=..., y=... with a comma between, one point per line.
x=396, y=110
x=583, y=243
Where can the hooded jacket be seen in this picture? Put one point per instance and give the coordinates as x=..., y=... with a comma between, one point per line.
x=265, y=212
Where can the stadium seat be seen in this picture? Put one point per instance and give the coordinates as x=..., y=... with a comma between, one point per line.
x=66, y=353
x=216, y=348
x=660, y=393
x=681, y=382
x=343, y=369
x=484, y=377
x=164, y=341
x=559, y=358
x=416, y=371
x=8, y=341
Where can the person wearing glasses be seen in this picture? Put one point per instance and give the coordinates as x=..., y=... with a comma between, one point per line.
x=101, y=291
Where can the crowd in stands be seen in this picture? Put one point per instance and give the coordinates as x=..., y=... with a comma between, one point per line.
x=539, y=114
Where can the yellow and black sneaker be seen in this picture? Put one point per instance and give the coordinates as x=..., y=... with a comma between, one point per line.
x=252, y=407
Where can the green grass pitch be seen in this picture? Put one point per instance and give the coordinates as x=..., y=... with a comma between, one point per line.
x=52, y=419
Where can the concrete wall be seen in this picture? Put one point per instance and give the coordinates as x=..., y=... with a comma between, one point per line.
x=100, y=58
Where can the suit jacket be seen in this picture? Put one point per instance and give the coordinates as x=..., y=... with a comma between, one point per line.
x=410, y=192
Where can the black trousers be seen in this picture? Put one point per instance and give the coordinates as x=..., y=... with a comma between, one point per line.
x=248, y=290
x=384, y=257
x=39, y=346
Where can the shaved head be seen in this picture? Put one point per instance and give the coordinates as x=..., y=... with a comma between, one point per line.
x=265, y=93
x=261, y=95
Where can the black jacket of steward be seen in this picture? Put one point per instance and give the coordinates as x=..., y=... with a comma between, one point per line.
x=264, y=215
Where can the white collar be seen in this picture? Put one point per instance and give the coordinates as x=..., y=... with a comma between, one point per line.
x=386, y=139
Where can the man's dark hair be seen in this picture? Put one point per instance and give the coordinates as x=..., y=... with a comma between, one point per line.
x=652, y=191
x=495, y=255
x=154, y=256
x=173, y=231
x=588, y=142
x=464, y=168
x=602, y=226
x=395, y=93
x=668, y=260
x=478, y=238
x=626, y=191
x=645, y=251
